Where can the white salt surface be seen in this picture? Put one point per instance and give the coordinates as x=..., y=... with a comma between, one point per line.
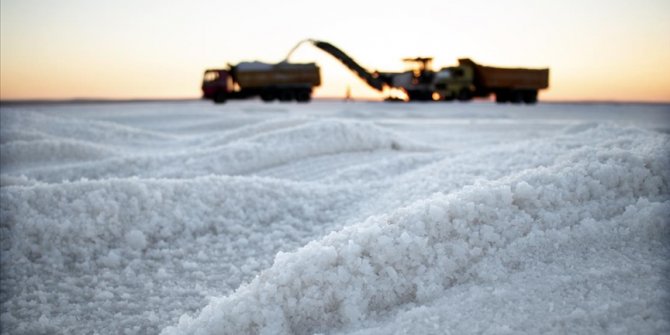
x=334, y=218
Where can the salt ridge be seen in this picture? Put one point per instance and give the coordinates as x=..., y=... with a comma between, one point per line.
x=301, y=223
x=417, y=254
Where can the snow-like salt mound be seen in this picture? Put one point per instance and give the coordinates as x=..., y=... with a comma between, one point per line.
x=387, y=265
x=241, y=156
x=351, y=218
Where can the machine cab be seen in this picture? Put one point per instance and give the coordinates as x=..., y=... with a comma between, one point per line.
x=455, y=82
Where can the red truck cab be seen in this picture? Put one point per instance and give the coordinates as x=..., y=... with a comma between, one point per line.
x=216, y=85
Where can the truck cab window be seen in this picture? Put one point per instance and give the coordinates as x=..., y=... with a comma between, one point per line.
x=211, y=76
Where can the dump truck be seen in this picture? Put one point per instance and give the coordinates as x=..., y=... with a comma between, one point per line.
x=469, y=79
x=282, y=81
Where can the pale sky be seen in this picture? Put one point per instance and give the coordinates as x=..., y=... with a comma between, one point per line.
x=596, y=49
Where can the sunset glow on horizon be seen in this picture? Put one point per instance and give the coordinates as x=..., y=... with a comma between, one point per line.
x=596, y=50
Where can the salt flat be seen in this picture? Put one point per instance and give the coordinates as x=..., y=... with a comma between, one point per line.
x=332, y=217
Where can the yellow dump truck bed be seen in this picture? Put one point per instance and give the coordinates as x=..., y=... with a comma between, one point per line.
x=510, y=78
x=257, y=74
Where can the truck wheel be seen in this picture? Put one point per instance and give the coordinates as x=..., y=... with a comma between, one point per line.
x=303, y=96
x=412, y=96
x=285, y=95
x=417, y=95
x=219, y=97
x=530, y=96
x=502, y=97
x=464, y=95
x=515, y=97
x=268, y=96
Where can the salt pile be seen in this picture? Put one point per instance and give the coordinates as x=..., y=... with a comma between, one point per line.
x=332, y=218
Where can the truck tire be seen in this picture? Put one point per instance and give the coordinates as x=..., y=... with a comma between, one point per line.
x=530, y=96
x=268, y=95
x=219, y=97
x=464, y=95
x=502, y=97
x=303, y=96
x=286, y=95
x=516, y=96
x=418, y=95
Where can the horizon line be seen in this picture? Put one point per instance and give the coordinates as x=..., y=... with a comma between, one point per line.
x=191, y=99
